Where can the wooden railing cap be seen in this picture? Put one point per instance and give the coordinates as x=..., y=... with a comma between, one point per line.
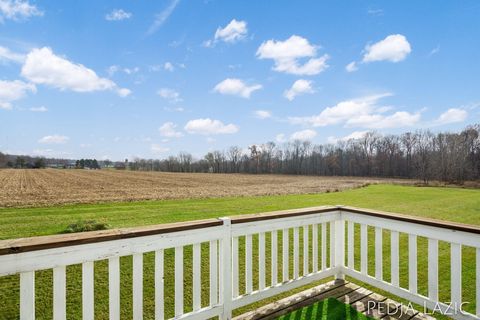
x=13, y=246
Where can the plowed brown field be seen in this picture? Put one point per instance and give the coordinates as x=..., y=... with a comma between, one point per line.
x=27, y=188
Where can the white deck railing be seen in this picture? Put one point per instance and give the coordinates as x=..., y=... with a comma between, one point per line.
x=250, y=258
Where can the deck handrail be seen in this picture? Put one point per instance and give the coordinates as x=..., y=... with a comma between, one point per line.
x=325, y=235
x=18, y=245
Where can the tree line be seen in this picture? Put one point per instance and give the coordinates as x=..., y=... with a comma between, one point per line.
x=424, y=155
x=444, y=156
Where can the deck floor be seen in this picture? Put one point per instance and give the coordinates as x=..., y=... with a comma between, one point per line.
x=363, y=300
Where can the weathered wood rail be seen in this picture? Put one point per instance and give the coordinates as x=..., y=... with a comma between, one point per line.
x=323, y=246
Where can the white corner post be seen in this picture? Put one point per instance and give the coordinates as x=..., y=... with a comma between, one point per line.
x=226, y=292
x=339, y=245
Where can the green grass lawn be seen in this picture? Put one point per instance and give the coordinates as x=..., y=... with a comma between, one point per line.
x=454, y=204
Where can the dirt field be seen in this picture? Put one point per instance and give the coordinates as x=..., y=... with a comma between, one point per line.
x=27, y=188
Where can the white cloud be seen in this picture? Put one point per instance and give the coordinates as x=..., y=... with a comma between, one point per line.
x=157, y=148
x=287, y=54
x=351, y=67
x=54, y=139
x=208, y=126
x=452, y=115
x=39, y=109
x=355, y=135
x=168, y=130
x=168, y=66
x=124, y=92
x=393, y=48
x=169, y=94
x=236, y=87
x=162, y=17
x=299, y=87
x=304, y=135
x=118, y=15
x=233, y=32
x=263, y=114
x=7, y=55
x=17, y=10
x=42, y=66
x=377, y=121
x=13, y=90
x=361, y=112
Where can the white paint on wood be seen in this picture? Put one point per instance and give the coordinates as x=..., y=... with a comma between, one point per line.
x=274, y=257
x=379, y=253
x=226, y=295
x=261, y=260
x=394, y=258
x=412, y=264
x=285, y=255
x=114, y=288
x=27, y=295
x=456, y=273
x=315, y=247
x=248, y=264
x=296, y=254
x=87, y=291
x=178, y=281
x=351, y=244
x=137, y=279
x=363, y=249
x=339, y=248
x=159, y=285
x=59, y=294
x=433, y=269
x=324, y=246
x=235, y=265
x=306, y=247
x=213, y=272
x=332, y=244
x=197, y=277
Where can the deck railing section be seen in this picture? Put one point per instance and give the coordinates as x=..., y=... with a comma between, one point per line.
x=250, y=258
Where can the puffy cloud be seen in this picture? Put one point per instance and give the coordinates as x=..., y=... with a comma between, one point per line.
x=452, y=115
x=299, y=87
x=393, y=48
x=17, y=10
x=7, y=55
x=168, y=130
x=54, y=139
x=351, y=67
x=169, y=94
x=118, y=15
x=157, y=148
x=262, y=114
x=286, y=55
x=39, y=109
x=236, y=87
x=355, y=135
x=234, y=31
x=304, y=135
x=13, y=90
x=362, y=112
x=208, y=126
x=42, y=66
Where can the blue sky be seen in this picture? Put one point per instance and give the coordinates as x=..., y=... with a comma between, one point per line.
x=120, y=79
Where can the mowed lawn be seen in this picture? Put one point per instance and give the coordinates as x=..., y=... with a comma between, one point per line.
x=453, y=204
